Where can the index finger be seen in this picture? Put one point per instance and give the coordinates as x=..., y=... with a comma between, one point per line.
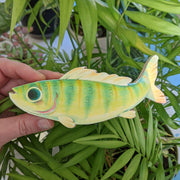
x=16, y=70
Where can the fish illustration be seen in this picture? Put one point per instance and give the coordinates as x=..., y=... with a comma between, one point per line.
x=83, y=96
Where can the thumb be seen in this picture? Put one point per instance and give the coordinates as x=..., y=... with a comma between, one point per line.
x=21, y=125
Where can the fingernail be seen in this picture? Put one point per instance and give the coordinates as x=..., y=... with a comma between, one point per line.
x=44, y=124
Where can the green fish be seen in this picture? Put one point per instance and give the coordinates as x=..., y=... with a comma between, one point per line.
x=83, y=96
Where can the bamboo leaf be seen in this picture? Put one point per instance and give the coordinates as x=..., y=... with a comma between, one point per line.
x=150, y=135
x=143, y=172
x=17, y=10
x=119, y=163
x=80, y=156
x=40, y=171
x=104, y=144
x=133, y=166
x=134, y=134
x=88, y=16
x=72, y=135
x=165, y=117
x=96, y=137
x=154, y=23
x=65, y=13
x=98, y=163
x=34, y=13
x=173, y=100
x=21, y=177
x=162, y=5
x=140, y=133
x=53, y=164
x=69, y=150
x=127, y=131
x=79, y=172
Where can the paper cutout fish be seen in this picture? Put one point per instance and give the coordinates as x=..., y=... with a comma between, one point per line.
x=83, y=96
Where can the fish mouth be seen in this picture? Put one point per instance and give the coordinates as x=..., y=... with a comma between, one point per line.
x=50, y=109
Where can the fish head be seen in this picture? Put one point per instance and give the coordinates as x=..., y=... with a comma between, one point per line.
x=35, y=98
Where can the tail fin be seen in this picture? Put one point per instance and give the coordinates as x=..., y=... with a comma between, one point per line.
x=150, y=72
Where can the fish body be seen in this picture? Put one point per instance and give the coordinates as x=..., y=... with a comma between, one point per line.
x=83, y=96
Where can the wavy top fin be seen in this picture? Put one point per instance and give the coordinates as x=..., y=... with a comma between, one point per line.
x=82, y=73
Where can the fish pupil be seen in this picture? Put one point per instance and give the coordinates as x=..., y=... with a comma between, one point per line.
x=34, y=94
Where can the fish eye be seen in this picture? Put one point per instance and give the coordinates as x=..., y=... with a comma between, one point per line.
x=34, y=94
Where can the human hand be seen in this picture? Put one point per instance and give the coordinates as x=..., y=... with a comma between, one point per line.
x=13, y=74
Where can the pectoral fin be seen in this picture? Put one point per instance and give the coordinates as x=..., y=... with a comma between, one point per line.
x=66, y=121
x=129, y=114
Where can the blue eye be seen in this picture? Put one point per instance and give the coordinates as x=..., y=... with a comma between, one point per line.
x=34, y=94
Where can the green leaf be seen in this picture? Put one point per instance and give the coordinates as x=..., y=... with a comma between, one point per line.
x=80, y=156
x=165, y=117
x=55, y=133
x=133, y=166
x=34, y=13
x=150, y=135
x=40, y=171
x=104, y=144
x=162, y=5
x=154, y=23
x=127, y=131
x=6, y=105
x=79, y=172
x=72, y=135
x=18, y=8
x=140, y=133
x=65, y=13
x=119, y=163
x=21, y=177
x=53, y=164
x=134, y=134
x=96, y=137
x=143, y=172
x=69, y=150
x=173, y=100
x=98, y=163
x=88, y=16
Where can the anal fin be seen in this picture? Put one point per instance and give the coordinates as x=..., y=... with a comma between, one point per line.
x=129, y=114
x=66, y=121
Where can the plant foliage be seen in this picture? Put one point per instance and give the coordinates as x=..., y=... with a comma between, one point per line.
x=139, y=148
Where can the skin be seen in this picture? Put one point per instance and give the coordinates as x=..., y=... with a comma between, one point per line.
x=13, y=74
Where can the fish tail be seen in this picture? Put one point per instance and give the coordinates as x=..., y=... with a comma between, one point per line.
x=149, y=73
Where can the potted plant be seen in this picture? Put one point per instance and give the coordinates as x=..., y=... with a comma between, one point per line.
x=139, y=148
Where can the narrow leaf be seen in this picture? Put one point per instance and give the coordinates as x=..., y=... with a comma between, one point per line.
x=88, y=16
x=154, y=23
x=42, y=172
x=18, y=8
x=162, y=5
x=133, y=166
x=143, y=172
x=119, y=163
x=104, y=144
x=80, y=156
x=150, y=134
x=65, y=13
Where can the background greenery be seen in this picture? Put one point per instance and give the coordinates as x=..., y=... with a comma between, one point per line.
x=141, y=148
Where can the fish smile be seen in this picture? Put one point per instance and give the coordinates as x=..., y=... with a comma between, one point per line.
x=51, y=109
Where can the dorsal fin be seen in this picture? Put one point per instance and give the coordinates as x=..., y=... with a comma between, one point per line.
x=91, y=75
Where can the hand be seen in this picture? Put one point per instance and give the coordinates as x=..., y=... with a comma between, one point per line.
x=12, y=74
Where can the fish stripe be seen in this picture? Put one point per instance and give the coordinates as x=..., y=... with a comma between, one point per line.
x=107, y=93
x=89, y=95
x=69, y=94
x=79, y=93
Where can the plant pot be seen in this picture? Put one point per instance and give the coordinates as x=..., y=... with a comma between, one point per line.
x=50, y=19
x=77, y=32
